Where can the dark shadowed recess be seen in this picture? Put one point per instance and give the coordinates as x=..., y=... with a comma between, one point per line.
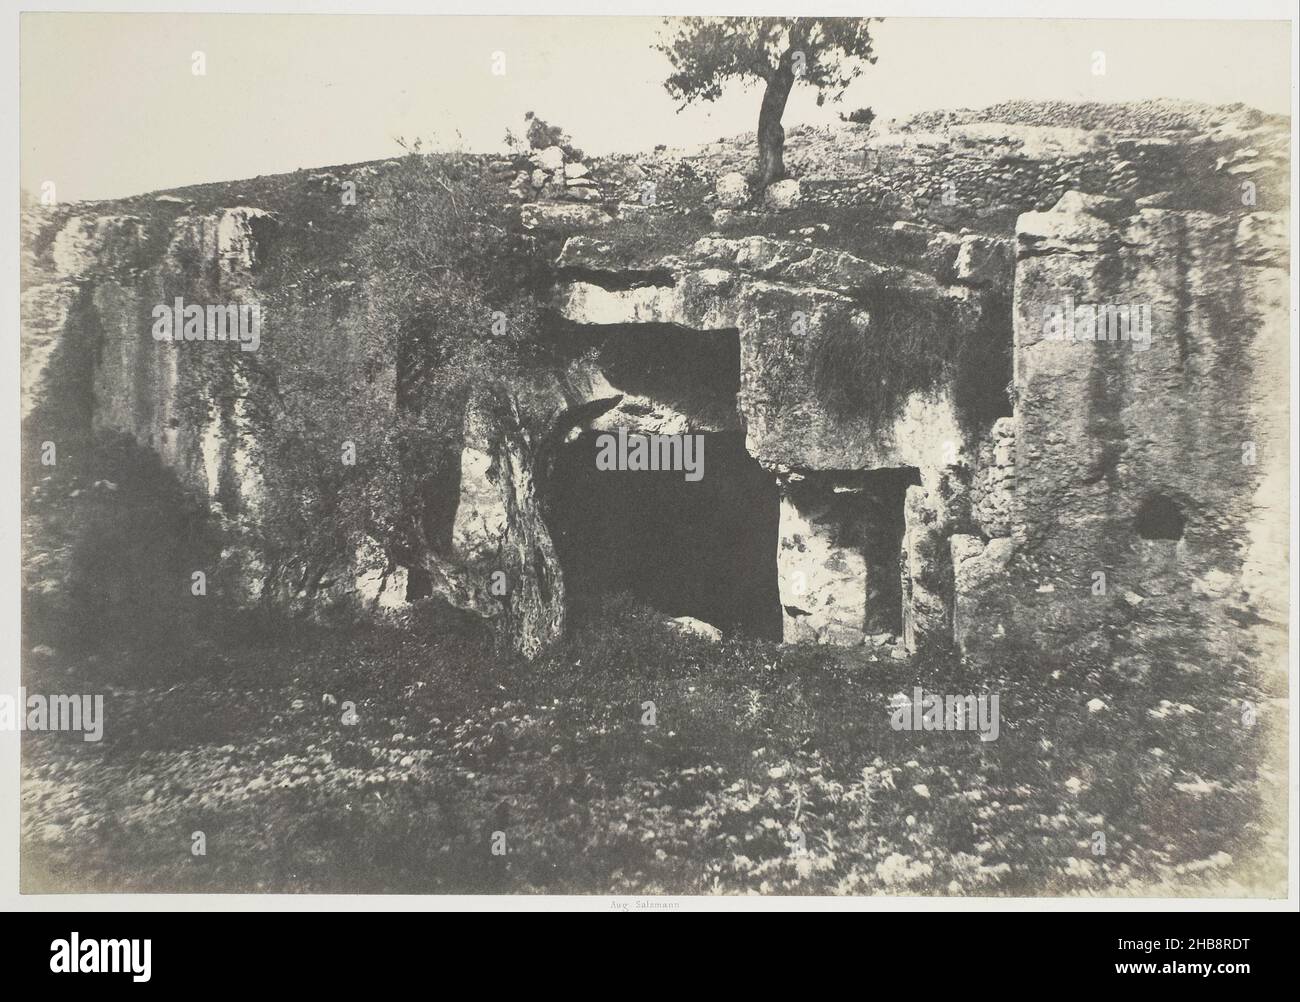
x=1159, y=517
x=705, y=549
x=697, y=372
x=863, y=511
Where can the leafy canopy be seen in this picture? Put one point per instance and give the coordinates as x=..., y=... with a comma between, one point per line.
x=707, y=52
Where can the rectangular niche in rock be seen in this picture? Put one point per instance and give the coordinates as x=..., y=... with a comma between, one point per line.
x=838, y=561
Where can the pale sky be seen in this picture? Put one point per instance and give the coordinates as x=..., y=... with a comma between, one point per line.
x=110, y=106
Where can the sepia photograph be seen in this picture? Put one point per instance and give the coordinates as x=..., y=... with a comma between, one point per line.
x=650, y=458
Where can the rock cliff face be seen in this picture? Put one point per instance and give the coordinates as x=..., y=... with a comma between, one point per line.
x=798, y=309
x=1156, y=464
x=950, y=469
x=505, y=566
x=93, y=301
x=788, y=301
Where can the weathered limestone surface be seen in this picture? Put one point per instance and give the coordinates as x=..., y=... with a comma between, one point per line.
x=993, y=490
x=88, y=246
x=45, y=311
x=1108, y=430
x=983, y=168
x=732, y=190
x=503, y=564
x=927, y=573
x=562, y=216
x=982, y=600
x=1263, y=272
x=692, y=627
x=839, y=584
x=984, y=260
x=585, y=398
x=703, y=300
x=783, y=195
x=822, y=576
x=1163, y=468
x=782, y=297
x=94, y=309
x=380, y=584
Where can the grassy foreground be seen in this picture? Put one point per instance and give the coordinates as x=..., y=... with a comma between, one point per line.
x=766, y=769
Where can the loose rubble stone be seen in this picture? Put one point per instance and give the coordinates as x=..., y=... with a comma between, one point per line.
x=783, y=195
x=732, y=190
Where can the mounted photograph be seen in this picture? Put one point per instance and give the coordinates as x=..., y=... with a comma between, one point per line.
x=655, y=456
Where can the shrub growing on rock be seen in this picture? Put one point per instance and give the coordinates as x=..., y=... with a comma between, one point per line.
x=446, y=306
x=859, y=116
x=542, y=135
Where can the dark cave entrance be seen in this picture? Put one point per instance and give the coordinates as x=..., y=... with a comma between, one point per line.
x=705, y=549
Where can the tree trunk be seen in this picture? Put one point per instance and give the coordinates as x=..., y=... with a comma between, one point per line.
x=771, y=136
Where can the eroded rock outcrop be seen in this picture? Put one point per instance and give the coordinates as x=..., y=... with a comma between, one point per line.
x=792, y=305
x=1138, y=491
x=1149, y=457
x=927, y=573
x=841, y=559
x=982, y=593
x=822, y=575
x=502, y=563
x=95, y=307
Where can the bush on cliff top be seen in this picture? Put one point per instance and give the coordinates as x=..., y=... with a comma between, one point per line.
x=447, y=305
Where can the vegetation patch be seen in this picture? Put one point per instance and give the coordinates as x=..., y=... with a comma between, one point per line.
x=633, y=759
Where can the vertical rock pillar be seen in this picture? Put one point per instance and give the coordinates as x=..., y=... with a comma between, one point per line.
x=508, y=570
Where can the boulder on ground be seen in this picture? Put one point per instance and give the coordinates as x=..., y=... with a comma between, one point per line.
x=693, y=627
x=783, y=195
x=732, y=190
x=550, y=159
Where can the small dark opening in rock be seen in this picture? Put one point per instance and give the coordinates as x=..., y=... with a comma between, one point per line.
x=1160, y=518
x=418, y=584
x=705, y=549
